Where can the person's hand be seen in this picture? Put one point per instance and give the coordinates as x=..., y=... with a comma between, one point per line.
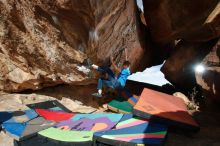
x=94, y=66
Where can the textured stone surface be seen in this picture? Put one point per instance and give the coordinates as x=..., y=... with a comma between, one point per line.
x=182, y=96
x=179, y=67
x=193, y=26
x=210, y=79
x=169, y=20
x=13, y=102
x=42, y=42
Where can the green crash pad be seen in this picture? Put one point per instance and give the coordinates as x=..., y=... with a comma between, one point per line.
x=67, y=136
x=120, y=105
x=80, y=128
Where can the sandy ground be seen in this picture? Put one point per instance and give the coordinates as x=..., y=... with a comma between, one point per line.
x=79, y=100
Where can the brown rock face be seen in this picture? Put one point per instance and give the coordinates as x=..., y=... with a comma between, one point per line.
x=197, y=20
x=194, y=26
x=42, y=42
x=179, y=67
x=210, y=79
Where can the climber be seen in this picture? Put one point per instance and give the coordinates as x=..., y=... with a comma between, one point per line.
x=109, y=79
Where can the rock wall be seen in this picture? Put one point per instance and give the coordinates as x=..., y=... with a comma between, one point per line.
x=210, y=79
x=32, y=49
x=169, y=20
x=42, y=42
x=194, y=27
x=179, y=68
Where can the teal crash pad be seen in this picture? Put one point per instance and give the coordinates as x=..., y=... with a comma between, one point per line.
x=120, y=105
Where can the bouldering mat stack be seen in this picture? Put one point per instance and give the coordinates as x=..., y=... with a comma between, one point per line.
x=16, y=116
x=165, y=109
x=79, y=129
x=56, y=116
x=132, y=131
x=4, y=116
x=24, y=124
x=51, y=105
x=123, y=104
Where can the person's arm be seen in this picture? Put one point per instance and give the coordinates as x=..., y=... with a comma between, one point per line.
x=117, y=70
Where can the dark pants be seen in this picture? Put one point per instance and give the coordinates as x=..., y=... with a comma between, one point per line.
x=111, y=81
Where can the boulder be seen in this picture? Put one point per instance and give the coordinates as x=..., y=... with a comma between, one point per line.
x=182, y=96
x=179, y=68
x=210, y=79
x=195, y=20
x=42, y=43
x=194, y=26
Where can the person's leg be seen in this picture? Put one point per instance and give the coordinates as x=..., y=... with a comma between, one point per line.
x=100, y=85
x=105, y=69
x=108, y=83
x=117, y=85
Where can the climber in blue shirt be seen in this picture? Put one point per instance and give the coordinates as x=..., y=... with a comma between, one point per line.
x=110, y=79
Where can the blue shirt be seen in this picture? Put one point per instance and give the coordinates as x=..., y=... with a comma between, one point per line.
x=122, y=77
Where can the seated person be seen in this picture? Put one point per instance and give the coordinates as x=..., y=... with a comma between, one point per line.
x=110, y=79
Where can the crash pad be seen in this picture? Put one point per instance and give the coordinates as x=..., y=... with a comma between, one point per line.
x=164, y=108
x=132, y=131
x=17, y=116
x=123, y=104
x=21, y=131
x=120, y=105
x=67, y=135
x=4, y=116
x=52, y=105
x=55, y=116
x=127, y=95
x=81, y=127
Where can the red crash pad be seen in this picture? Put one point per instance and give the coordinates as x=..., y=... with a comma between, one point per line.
x=164, y=108
x=55, y=116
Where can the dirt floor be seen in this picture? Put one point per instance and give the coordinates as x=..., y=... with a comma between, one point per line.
x=79, y=99
x=209, y=134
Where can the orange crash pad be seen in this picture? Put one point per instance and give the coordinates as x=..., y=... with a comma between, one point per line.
x=164, y=108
